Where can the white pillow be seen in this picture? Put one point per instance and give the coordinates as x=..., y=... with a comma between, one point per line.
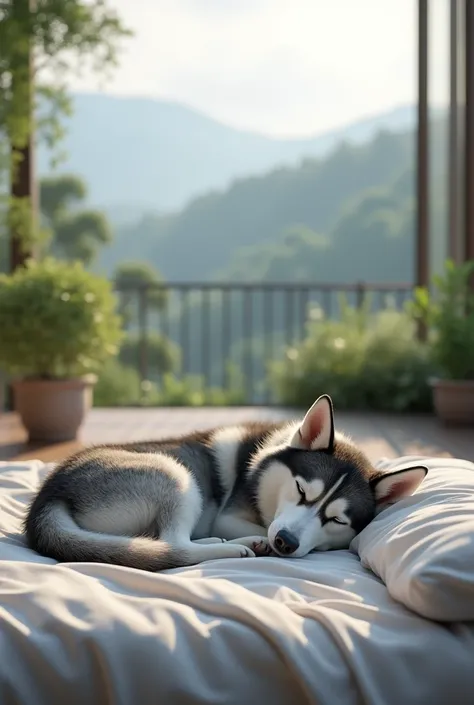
x=423, y=546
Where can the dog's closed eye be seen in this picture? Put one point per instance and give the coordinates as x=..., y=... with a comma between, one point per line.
x=301, y=491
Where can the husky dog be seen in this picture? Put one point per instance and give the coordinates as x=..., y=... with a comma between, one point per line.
x=284, y=489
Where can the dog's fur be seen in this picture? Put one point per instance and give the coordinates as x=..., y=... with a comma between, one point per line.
x=257, y=488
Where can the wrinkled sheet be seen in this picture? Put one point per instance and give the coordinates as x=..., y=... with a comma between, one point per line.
x=318, y=630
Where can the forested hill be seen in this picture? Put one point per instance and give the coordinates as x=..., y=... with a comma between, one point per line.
x=206, y=239
x=327, y=219
x=138, y=154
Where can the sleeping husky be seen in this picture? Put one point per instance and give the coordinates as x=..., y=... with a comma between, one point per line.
x=282, y=489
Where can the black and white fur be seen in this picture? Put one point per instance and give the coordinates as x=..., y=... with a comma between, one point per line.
x=239, y=491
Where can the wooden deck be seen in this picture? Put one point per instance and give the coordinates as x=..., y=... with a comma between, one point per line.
x=379, y=435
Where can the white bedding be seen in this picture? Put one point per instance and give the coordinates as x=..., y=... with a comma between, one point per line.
x=267, y=631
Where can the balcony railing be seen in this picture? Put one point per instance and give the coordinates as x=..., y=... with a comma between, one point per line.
x=213, y=343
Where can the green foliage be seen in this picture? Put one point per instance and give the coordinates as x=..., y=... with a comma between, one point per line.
x=191, y=391
x=162, y=354
x=182, y=392
x=377, y=225
x=142, y=276
x=448, y=313
x=356, y=206
x=58, y=194
x=364, y=360
x=58, y=35
x=295, y=254
x=56, y=320
x=4, y=254
x=117, y=385
x=284, y=218
x=64, y=34
x=79, y=235
x=75, y=234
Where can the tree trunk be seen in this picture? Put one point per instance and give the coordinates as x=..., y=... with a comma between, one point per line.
x=22, y=172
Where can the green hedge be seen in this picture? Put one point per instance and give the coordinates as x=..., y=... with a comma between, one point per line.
x=367, y=361
x=119, y=385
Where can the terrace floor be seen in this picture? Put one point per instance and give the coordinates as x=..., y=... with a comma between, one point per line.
x=379, y=434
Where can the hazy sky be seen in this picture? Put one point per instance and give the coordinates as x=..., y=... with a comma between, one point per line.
x=283, y=67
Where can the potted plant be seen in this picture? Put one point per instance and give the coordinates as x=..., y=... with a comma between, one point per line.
x=448, y=313
x=58, y=325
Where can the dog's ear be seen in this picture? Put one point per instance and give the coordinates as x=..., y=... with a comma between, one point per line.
x=317, y=430
x=389, y=488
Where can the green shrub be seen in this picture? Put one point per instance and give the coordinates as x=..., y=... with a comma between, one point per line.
x=364, y=361
x=56, y=321
x=448, y=314
x=163, y=355
x=191, y=391
x=180, y=392
x=119, y=385
x=397, y=368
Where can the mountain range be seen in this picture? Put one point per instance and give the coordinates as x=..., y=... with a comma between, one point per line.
x=140, y=154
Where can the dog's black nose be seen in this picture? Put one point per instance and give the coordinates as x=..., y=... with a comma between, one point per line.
x=286, y=543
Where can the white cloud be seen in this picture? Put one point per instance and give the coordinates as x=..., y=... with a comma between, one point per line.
x=283, y=67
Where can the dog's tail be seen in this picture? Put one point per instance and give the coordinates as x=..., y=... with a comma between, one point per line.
x=51, y=530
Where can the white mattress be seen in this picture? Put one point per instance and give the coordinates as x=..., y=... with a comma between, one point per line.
x=317, y=630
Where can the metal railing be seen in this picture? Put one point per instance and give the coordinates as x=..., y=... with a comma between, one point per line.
x=207, y=343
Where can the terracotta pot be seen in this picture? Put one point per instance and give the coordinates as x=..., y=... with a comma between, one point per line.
x=53, y=410
x=454, y=401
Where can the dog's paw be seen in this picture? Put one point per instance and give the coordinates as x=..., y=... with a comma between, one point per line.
x=262, y=547
x=259, y=545
x=234, y=550
x=241, y=550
